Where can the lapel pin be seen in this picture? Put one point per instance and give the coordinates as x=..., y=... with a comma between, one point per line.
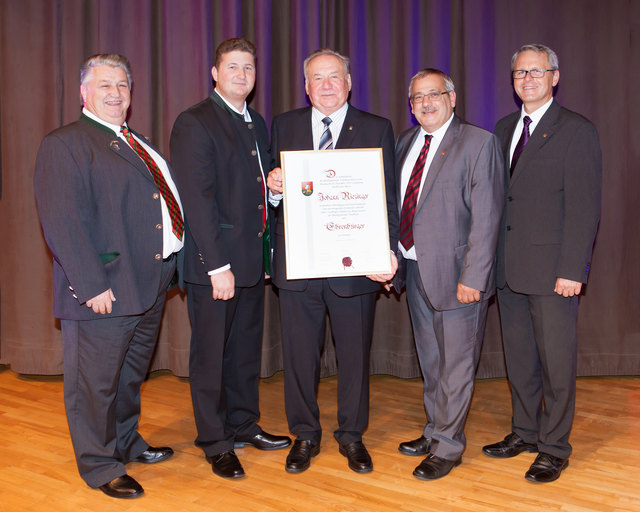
x=544, y=135
x=114, y=145
x=443, y=153
x=350, y=128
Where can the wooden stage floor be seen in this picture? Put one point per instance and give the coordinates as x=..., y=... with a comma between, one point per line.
x=38, y=472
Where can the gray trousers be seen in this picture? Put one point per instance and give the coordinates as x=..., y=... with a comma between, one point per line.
x=448, y=344
x=105, y=363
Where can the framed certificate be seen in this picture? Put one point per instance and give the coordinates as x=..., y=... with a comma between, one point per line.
x=335, y=213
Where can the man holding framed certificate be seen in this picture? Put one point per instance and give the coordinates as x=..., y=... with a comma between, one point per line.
x=330, y=123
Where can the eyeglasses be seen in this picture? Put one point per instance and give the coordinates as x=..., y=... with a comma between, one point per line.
x=431, y=96
x=519, y=74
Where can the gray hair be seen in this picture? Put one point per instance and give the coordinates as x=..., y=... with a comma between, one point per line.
x=326, y=51
x=104, y=59
x=538, y=48
x=448, y=83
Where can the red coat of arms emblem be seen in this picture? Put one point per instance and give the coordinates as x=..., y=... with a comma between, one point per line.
x=307, y=188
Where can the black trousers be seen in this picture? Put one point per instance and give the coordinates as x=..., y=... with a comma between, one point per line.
x=303, y=318
x=224, y=364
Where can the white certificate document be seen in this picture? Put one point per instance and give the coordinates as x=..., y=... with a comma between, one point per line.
x=335, y=213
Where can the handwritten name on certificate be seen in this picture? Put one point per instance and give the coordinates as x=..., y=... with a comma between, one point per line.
x=335, y=213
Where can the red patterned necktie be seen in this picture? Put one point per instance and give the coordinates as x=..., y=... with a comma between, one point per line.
x=177, y=225
x=411, y=197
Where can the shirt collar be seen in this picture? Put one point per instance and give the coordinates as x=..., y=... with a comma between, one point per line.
x=91, y=115
x=244, y=112
x=439, y=133
x=536, y=115
x=319, y=116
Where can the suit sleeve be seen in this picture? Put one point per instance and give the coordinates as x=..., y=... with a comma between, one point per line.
x=66, y=211
x=582, y=197
x=486, y=201
x=193, y=160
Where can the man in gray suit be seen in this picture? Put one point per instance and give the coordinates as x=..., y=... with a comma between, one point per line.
x=112, y=218
x=450, y=197
x=553, y=177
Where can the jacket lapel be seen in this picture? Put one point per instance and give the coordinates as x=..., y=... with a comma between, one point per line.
x=348, y=131
x=402, y=151
x=439, y=159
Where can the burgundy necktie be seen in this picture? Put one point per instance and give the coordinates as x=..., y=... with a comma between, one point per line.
x=524, y=138
x=411, y=197
x=177, y=225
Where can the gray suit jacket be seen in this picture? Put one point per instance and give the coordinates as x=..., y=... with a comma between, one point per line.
x=99, y=208
x=455, y=229
x=553, y=202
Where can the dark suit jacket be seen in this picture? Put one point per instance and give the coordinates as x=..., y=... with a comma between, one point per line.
x=552, y=202
x=96, y=198
x=218, y=175
x=292, y=131
x=455, y=229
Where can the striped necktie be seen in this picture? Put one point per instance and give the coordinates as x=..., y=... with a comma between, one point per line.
x=326, y=141
x=411, y=196
x=177, y=224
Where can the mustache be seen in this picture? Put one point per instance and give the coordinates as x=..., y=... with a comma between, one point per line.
x=429, y=109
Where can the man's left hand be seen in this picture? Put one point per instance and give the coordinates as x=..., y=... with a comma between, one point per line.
x=567, y=287
x=467, y=295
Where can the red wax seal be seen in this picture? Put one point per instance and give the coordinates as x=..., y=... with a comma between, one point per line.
x=346, y=261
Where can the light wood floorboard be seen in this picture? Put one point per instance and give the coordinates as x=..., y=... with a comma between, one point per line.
x=38, y=472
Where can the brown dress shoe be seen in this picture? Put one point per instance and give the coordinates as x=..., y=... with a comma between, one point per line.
x=299, y=458
x=416, y=447
x=357, y=456
x=546, y=468
x=434, y=467
x=122, y=487
x=226, y=465
x=511, y=446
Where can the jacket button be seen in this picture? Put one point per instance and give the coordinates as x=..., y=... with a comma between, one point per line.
x=158, y=226
x=75, y=296
x=156, y=195
x=259, y=179
x=508, y=228
x=250, y=126
x=70, y=288
x=254, y=152
x=260, y=234
x=158, y=256
x=260, y=207
x=509, y=198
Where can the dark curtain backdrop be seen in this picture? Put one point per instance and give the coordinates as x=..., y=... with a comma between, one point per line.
x=170, y=44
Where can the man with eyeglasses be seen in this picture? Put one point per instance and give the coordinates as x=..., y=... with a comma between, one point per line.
x=450, y=198
x=553, y=178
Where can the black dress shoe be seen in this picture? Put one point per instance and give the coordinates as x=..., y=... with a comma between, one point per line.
x=226, y=465
x=122, y=487
x=299, y=458
x=263, y=441
x=546, y=468
x=418, y=446
x=152, y=455
x=511, y=446
x=358, y=457
x=434, y=467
